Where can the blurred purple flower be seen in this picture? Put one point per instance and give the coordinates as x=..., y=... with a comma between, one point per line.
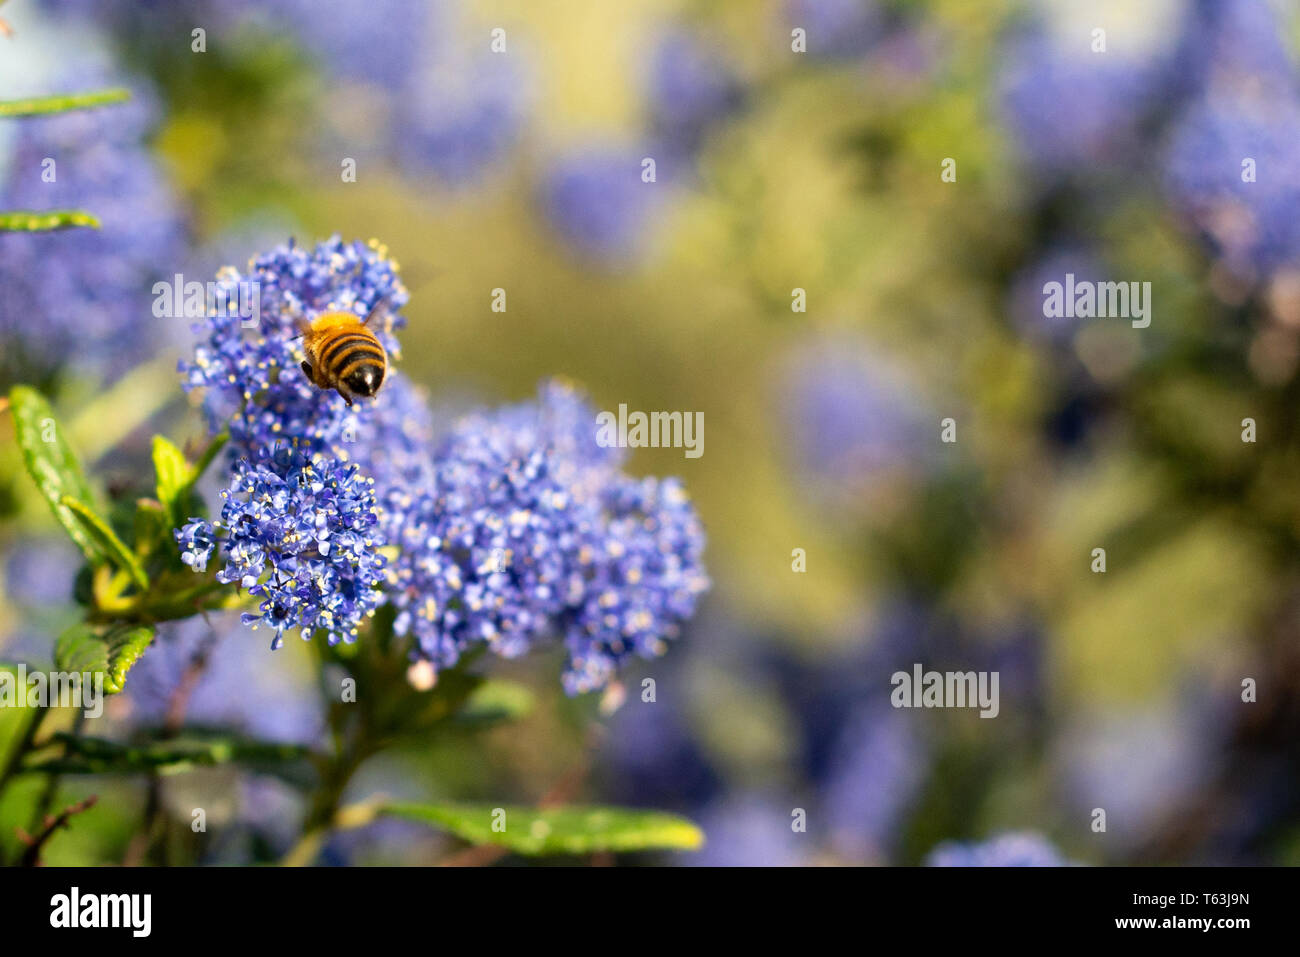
x=751, y=830
x=1237, y=46
x=836, y=29
x=1139, y=765
x=1015, y=849
x=82, y=297
x=39, y=572
x=1074, y=109
x=879, y=765
x=1026, y=300
x=851, y=418
x=596, y=202
x=654, y=758
x=691, y=87
x=380, y=41
x=463, y=108
x=233, y=686
x=1233, y=170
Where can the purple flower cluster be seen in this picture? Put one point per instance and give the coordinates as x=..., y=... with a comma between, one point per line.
x=1014, y=849
x=531, y=530
x=250, y=377
x=299, y=532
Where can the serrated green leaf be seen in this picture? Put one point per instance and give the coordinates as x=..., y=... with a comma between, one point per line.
x=83, y=648
x=104, y=536
x=562, y=830
x=46, y=220
x=63, y=102
x=51, y=463
x=86, y=755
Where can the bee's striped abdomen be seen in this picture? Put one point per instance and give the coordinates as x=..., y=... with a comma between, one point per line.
x=346, y=347
x=346, y=356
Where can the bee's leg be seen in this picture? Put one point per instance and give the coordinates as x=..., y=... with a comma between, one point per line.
x=306, y=370
x=347, y=396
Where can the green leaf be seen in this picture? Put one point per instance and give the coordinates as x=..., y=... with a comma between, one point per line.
x=15, y=716
x=63, y=102
x=52, y=464
x=562, y=830
x=107, y=539
x=86, y=755
x=83, y=648
x=174, y=477
x=492, y=703
x=45, y=220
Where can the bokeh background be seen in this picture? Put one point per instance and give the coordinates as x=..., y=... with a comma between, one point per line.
x=775, y=171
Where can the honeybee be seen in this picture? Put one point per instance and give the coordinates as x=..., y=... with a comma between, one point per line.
x=344, y=354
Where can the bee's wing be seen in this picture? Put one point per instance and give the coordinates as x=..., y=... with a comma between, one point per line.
x=381, y=309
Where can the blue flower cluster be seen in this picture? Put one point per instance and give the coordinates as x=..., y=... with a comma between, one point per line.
x=91, y=298
x=250, y=377
x=1015, y=849
x=516, y=527
x=531, y=530
x=299, y=531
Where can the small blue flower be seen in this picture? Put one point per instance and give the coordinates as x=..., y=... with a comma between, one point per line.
x=197, y=542
x=300, y=533
x=1015, y=849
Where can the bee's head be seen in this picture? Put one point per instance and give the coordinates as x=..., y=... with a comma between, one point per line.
x=366, y=380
